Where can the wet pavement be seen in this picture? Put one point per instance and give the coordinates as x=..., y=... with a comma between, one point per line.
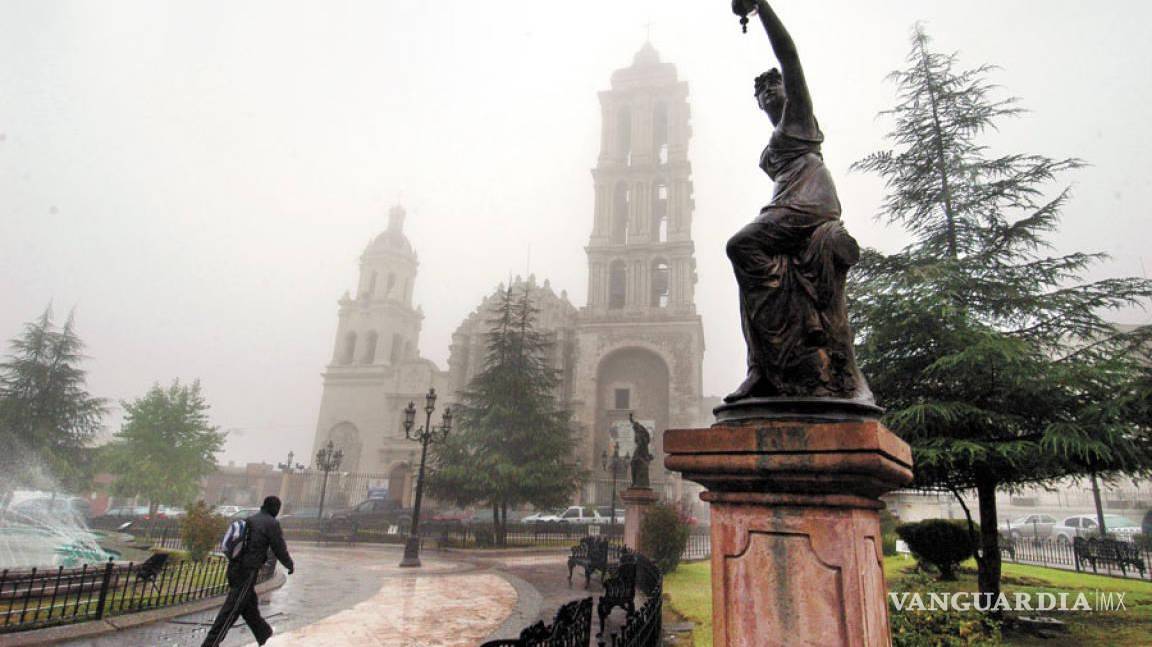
x=355, y=595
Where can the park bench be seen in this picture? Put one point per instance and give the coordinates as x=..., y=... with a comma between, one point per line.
x=151, y=568
x=1121, y=554
x=571, y=627
x=619, y=589
x=593, y=554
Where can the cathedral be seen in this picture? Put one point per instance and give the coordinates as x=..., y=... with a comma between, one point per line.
x=636, y=347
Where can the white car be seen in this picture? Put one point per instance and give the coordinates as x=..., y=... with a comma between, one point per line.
x=1030, y=526
x=544, y=516
x=607, y=513
x=582, y=514
x=1084, y=525
x=228, y=510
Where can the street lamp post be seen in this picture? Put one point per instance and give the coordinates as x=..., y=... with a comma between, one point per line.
x=614, y=464
x=424, y=435
x=287, y=468
x=327, y=460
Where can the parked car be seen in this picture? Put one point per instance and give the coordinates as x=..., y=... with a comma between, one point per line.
x=450, y=515
x=1084, y=525
x=606, y=512
x=227, y=510
x=485, y=517
x=128, y=512
x=170, y=512
x=582, y=514
x=373, y=512
x=1029, y=526
x=543, y=516
x=243, y=513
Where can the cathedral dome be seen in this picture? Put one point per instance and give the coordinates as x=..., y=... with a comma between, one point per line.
x=393, y=238
x=646, y=56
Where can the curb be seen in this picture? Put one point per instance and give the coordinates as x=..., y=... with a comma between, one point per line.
x=92, y=628
x=529, y=602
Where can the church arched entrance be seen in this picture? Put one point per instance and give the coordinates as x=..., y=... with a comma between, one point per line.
x=346, y=437
x=398, y=483
x=629, y=380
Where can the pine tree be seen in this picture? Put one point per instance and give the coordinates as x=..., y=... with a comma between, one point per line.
x=164, y=447
x=515, y=442
x=47, y=416
x=991, y=355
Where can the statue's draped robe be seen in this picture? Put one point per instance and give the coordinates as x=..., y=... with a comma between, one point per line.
x=790, y=264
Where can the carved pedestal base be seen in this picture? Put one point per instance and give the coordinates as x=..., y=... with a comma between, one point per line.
x=636, y=502
x=796, y=556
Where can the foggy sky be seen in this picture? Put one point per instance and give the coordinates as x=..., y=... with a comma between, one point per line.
x=198, y=179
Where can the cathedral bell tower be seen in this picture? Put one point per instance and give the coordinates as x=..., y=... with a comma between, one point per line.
x=379, y=326
x=641, y=341
x=377, y=335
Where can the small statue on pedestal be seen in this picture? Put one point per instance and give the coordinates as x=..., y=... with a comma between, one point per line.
x=642, y=456
x=791, y=262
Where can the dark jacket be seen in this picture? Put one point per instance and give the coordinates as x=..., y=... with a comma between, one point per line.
x=265, y=535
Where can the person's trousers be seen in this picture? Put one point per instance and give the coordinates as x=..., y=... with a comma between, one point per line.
x=241, y=601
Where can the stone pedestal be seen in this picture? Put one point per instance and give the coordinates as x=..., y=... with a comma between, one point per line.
x=796, y=557
x=636, y=501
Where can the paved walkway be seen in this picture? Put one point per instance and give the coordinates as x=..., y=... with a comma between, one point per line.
x=358, y=596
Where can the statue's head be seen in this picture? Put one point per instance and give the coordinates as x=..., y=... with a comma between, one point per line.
x=770, y=94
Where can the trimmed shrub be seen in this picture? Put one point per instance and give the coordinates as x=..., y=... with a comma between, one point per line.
x=943, y=543
x=663, y=536
x=201, y=530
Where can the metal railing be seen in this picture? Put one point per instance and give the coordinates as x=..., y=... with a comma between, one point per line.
x=699, y=546
x=573, y=622
x=572, y=627
x=1059, y=554
x=38, y=598
x=644, y=627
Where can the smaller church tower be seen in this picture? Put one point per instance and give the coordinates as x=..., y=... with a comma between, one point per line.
x=379, y=325
x=376, y=366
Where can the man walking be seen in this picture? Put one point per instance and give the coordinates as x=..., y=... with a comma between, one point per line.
x=261, y=533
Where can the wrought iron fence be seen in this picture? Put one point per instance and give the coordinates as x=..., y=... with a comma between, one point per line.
x=1133, y=561
x=558, y=535
x=39, y=598
x=644, y=626
x=573, y=622
x=699, y=546
x=572, y=627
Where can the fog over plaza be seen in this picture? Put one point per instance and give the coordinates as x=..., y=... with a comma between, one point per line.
x=198, y=179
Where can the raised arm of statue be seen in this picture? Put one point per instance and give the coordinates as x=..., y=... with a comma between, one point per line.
x=798, y=107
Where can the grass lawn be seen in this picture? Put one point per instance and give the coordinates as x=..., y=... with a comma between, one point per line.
x=690, y=594
x=689, y=591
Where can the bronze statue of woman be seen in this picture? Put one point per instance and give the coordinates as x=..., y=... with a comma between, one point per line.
x=791, y=261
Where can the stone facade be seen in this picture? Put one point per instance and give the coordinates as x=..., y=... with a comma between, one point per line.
x=636, y=347
x=640, y=342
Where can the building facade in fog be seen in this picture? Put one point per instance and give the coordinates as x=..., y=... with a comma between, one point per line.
x=636, y=347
